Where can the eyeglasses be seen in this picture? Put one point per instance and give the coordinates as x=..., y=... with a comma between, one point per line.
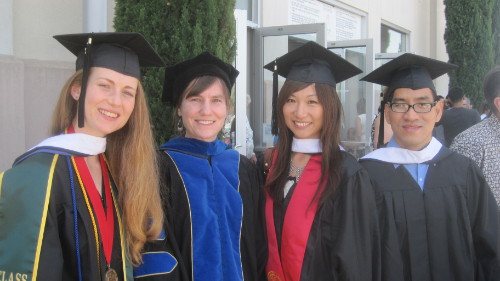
x=422, y=107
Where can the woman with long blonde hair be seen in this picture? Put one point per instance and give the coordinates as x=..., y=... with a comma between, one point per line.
x=93, y=186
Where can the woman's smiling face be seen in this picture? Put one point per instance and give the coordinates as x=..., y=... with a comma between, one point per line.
x=304, y=113
x=109, y=101
x=204, y=115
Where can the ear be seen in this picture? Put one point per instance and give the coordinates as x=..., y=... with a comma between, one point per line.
x=387, y=114
x=496, y=102
x=75, y=91
x=179, y=112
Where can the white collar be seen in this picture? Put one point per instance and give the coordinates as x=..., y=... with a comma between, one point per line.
x=397, y=155
x=306, y=145
x=77, y=142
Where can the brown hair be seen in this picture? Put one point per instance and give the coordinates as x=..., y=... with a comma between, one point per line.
x=196, y=87
x=132, y=159
x=329, y=137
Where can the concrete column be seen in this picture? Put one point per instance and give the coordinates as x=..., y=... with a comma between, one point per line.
x=95, y=16
x=6, y=17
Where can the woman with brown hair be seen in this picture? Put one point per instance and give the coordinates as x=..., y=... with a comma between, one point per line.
x=212, y=195
x=67, y=193
x=320, y=207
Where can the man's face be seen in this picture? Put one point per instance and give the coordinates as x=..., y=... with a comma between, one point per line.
x=413, y=130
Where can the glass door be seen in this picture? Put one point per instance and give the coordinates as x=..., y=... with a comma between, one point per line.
x=358, y=98
x=270, y=43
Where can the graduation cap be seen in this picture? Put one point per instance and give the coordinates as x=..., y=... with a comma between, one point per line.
x=406, y=71
x=409, y=71
x=310, y=63
x=123, y=52
x=178, y=77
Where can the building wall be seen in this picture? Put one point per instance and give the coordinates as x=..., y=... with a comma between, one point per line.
x=33, y=66
x=424, y=19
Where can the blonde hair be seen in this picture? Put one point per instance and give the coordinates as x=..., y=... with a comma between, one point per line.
x=132, y=159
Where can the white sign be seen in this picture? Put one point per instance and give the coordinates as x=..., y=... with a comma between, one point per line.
x=340, y=24
x=347, y=25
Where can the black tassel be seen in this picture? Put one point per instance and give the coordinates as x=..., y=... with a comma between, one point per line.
x=274, y=118
x=85, y=78
x=380, y=141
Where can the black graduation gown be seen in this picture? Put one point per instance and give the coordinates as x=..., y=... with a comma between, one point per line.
x=58, y=259
x=344, y=241
x=448, y=231
x=178, y=226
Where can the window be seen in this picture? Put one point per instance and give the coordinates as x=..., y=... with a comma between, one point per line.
x=392, y=40
x=251, y=6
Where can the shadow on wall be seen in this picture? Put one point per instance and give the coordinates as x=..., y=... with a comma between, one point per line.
x=28, y=93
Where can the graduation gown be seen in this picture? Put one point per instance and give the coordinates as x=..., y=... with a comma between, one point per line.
x=448, y=231
x=37, y=233
x=343, y=240
x=213, y=206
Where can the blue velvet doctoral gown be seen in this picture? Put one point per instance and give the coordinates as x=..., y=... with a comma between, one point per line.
x=212, y=201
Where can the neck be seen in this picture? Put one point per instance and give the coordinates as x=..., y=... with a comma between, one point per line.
x=300, y=159
x=414, y=147
x=94, y=166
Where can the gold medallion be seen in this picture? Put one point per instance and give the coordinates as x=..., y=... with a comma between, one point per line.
x=111, y=275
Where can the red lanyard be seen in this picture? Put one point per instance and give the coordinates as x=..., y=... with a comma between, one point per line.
x=106, y=219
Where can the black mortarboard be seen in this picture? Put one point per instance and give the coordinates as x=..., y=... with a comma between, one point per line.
x=406, y=71
x=310, y=63
x=409, y=71
x=123, y=52
x=178, y=77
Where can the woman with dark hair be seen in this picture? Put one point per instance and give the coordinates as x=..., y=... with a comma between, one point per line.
x=320, y=209
x=212, y=195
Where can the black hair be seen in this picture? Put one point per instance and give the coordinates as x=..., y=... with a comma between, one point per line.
x=491, y=87
x=456, y=94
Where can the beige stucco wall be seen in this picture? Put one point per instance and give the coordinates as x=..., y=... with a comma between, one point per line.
x=33, y=68
x=12, y=140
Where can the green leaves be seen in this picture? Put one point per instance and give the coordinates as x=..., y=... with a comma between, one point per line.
x=470, y=41
x=178, y=30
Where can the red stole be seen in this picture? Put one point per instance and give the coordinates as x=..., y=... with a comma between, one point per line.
x=296, y=226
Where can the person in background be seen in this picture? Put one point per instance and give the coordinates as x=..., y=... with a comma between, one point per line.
x=248, y=136
x=484, y=110
x=360, y=122
x=60, y=203
x=457, y=119
x=320, y=208
x=481, y=142
x=212, y=196
x=467, y=103
x=439, y=220
x=446, y=103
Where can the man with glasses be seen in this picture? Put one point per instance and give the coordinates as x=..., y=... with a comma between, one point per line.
x=439, y=220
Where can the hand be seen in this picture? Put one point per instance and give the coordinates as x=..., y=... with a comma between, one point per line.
x=253, y=158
